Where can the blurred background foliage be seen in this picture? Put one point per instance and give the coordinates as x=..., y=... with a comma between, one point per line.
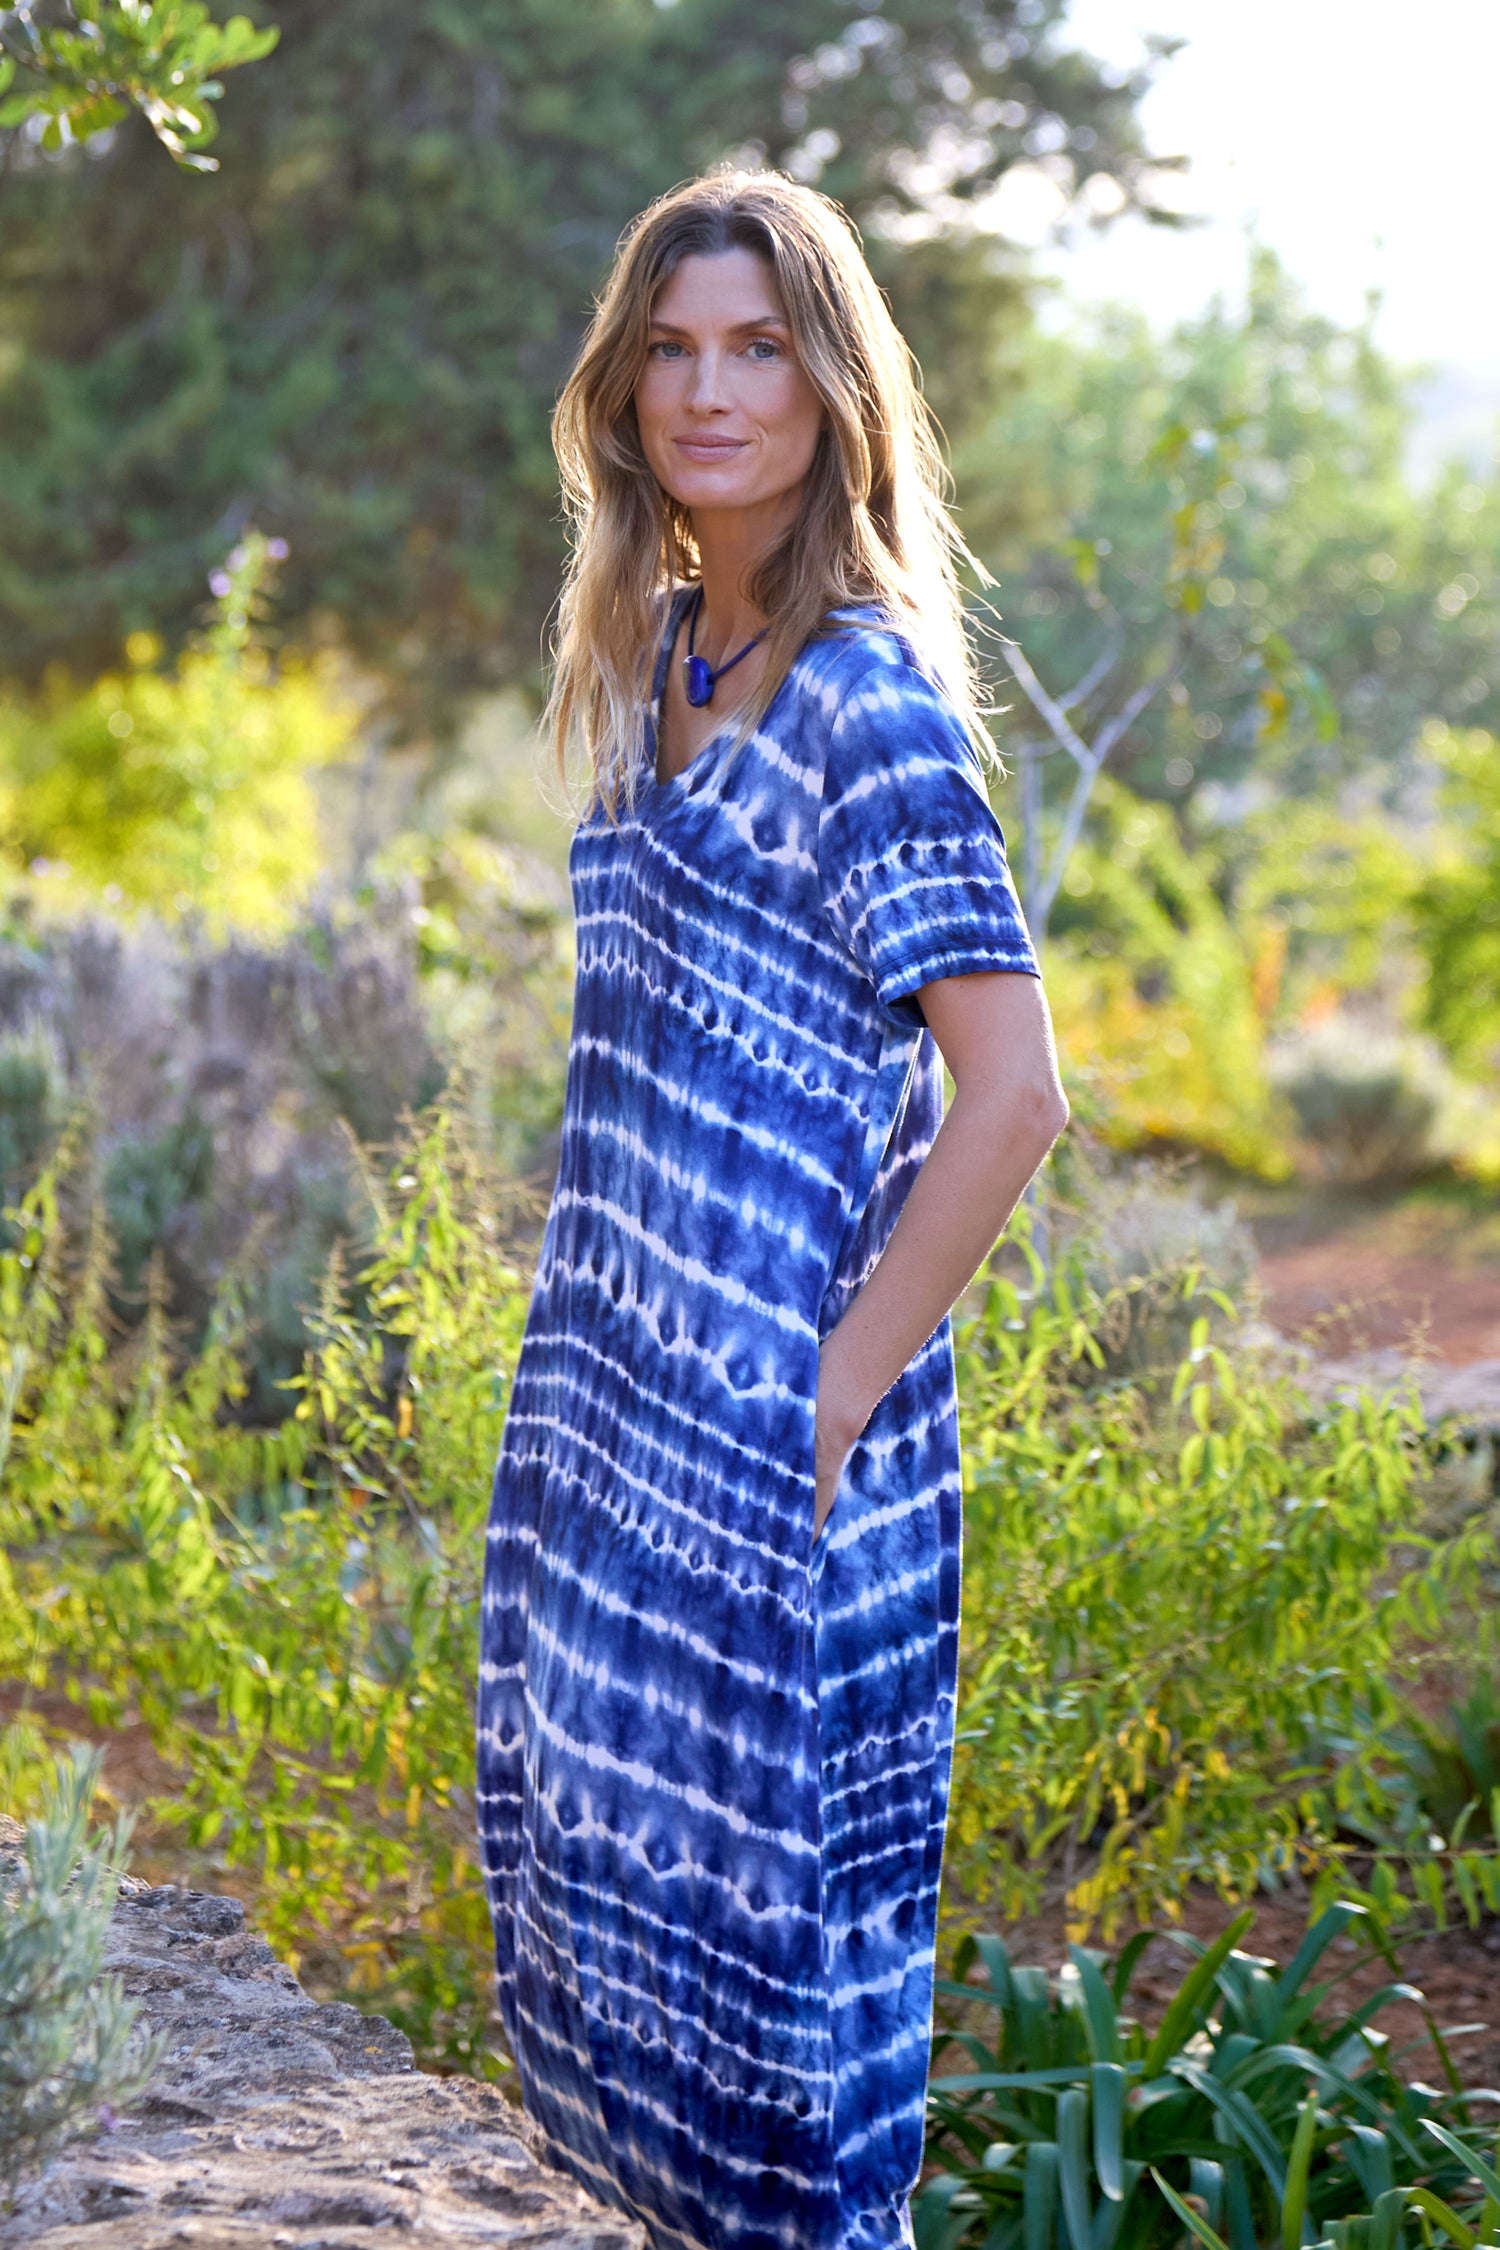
x=317, y=379
x=353, y=332
x=189, y=790
x=286, y=952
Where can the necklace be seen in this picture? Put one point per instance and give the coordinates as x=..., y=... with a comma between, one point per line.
x=698, y=676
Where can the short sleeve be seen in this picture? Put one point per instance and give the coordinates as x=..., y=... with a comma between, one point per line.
x=911, y=858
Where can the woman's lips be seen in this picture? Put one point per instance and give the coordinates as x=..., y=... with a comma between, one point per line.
x=709, y=449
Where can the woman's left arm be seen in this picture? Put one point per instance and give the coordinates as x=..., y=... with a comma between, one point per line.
x=1008, y=1108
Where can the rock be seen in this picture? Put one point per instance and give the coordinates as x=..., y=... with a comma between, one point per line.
x=277, y=2124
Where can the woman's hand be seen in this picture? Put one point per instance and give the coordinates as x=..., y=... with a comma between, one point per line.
x=840, y=1418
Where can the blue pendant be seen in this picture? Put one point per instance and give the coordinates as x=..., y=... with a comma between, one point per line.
x=698, y=681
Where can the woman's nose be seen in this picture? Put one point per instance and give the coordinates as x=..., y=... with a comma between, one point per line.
x=706, y=389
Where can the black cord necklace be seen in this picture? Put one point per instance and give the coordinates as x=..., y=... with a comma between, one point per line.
x=699, y=678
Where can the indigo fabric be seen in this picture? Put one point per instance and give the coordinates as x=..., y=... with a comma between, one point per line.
x=713, y=1755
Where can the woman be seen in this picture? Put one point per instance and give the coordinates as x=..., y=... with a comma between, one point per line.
x=721, y=1597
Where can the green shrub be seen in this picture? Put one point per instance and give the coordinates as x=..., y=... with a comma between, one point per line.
x=294, y=1611
x=1458, y=906
x=1178, y=1592
x=1140, y=1235
x=1368, y=1106
x=69, y=2046
x=218, y=1085
x=30, y=1104
x=1282, y=2115
x=150, y=1181
x=1453, y=1765
x=188, y=791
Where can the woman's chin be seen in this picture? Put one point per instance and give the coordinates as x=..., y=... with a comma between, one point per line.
x=720, y=495
x=708, y=487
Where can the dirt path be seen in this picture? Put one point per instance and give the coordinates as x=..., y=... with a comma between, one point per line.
x=1360, y=1278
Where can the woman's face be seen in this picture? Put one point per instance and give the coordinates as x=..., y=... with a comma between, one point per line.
x=727, y=415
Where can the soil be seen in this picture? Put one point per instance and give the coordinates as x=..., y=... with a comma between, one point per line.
x=1360, y=1275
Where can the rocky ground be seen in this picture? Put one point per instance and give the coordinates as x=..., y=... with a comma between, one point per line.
x=276, y=2124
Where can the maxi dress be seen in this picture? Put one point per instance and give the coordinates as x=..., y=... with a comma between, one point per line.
x=713, y=1755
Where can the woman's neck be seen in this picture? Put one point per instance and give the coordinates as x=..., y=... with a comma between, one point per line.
x=729, y=548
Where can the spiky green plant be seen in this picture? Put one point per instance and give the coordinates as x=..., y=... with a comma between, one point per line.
x=1261, y=2102
x=70, y=2045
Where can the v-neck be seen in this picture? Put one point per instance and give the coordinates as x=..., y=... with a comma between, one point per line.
x=676, y=610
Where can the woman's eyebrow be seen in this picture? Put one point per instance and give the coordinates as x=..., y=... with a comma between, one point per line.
x=740, y=327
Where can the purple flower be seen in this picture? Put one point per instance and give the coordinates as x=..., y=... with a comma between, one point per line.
x=219, y=583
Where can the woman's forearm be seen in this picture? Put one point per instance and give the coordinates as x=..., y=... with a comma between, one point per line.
x=1007, y=1111
x=975, y=1173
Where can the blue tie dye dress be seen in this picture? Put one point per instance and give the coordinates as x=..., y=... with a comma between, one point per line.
x=713, y=1755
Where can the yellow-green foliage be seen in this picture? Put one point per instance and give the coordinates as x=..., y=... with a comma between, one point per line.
x=293, y=1612
x=1458, y=907
x=1174, y=1605
x=1157, y=1006
x=1332, y=890
x=182, y=790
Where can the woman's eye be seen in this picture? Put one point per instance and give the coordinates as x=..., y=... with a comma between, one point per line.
x=663, y=348
x=765, y=347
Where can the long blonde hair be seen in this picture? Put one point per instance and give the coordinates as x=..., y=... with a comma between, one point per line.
x=873, y=527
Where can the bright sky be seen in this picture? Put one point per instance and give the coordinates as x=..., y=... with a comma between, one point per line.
x=1358, y=138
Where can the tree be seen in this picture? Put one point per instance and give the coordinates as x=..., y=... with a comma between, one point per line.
x=86, y=73
x=1340, y=606
x=1457, y=908
x=353, y=335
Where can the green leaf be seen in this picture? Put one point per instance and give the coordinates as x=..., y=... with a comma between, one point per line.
x=1073, y=2166
x=1386, y=2218
x=1039, y=2196
x=1372, y=2163
x=1206, y=2179
x=934, y=2224
x=1463, y=2237
x=1314, y=1945
x=1108, y=2088
x=1181, y=2017
x=1015, y=2081
x=1470, y=2158
x=1032, y=1995
x=1109, y=2216
x=1248, y=2126
x=996, y=1960
x=1124, y=1967
x=1294, y=2198
x=1100, y=2018
x=1188, y=2216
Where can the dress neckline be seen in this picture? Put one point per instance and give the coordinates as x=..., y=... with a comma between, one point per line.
x=708, y=751
x=676, y=609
